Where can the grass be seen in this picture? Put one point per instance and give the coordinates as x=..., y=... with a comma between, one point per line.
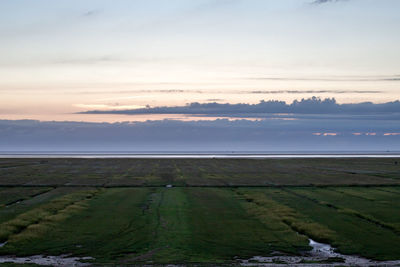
x=9, y=196
x=32, y=223
x=287, y=218
x=99, y=230
x=198, y=172
x=120, y=212
x=353, y=234
x=223, y=228
x=129, y=225
x=11, y=211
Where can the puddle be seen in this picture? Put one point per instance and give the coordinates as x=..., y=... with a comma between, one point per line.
x=322, y=250
x=320, y=255
x=62, y=260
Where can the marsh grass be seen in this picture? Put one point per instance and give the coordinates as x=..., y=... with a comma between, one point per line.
x=331, y=199
x=34, y=222
x=393, y=227
x=204, y=225
x=354, y=233
x=268, y=210
x=243, y=172
x=217, y=209
x=9, y=196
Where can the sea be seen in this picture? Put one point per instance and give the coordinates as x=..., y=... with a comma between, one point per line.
x=200, y=154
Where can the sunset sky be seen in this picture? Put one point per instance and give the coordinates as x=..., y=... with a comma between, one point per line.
x=66, y=56
x=158, y=75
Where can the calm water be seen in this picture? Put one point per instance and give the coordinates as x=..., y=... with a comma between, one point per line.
x=200, y=155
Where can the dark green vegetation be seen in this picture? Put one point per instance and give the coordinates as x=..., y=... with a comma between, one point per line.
x=198, y=172
x=119, y=210
x=355, y=225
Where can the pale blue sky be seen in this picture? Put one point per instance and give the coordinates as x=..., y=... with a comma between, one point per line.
x=70, y=55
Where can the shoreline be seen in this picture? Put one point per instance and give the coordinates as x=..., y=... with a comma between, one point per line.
x=196, y=155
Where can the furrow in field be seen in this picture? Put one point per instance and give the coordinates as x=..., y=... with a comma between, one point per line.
x=109, y=227
x=346, y=210
x=12, y=211
x=37, y=220
x=13, y=195
x=273, y=213
x=353, y=235
x=389, y=191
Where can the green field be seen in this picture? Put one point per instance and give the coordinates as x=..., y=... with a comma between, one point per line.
x=198, y=172
x=119, y=211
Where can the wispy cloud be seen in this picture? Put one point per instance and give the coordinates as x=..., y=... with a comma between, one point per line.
x=107, y=107
x=215, y=99
x=150, y=93
x=332, y=78
x=91, y=13
x=85, y=60
x=325, y=134
x=391, y=134
x=318, y=2
x=313, y=92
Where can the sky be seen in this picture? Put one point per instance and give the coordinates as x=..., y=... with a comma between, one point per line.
x=62, y=60
x=66, y=56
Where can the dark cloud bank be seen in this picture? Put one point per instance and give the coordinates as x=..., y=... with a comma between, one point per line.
x=321, y=133
x=314, y=125
x=312, y=105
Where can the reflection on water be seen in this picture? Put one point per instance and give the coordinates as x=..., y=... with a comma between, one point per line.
x=321, y=249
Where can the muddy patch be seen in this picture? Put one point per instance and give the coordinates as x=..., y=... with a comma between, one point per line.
x=62, y=260
x=320, y=255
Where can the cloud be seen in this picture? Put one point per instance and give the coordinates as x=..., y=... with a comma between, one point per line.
x=91, y=13
x=317, y=2
x=215, y=100
x=233, y=92
x=313, y=92
x=320, y=133
x=332, y=78
x=391, y=134
x=85, y=60
x=312, y=105
x=108, y=107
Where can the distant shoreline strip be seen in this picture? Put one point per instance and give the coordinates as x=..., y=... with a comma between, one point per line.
x=197, y=156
